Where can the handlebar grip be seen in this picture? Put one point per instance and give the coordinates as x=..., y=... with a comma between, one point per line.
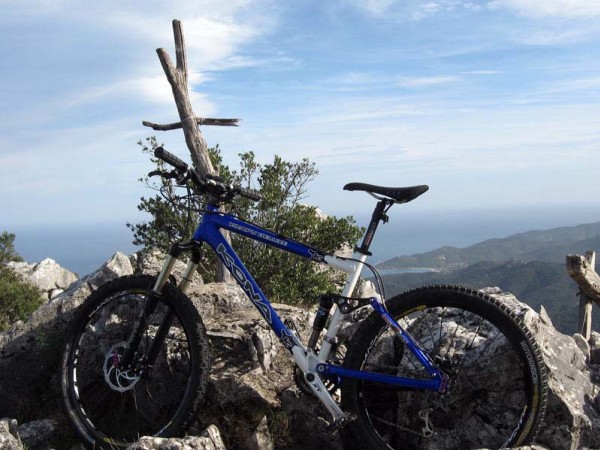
x=250, y=194
x=170, y=158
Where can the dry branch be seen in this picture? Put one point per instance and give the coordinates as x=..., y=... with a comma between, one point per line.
x=178, y=77
x=199, y=121
x=585, y=276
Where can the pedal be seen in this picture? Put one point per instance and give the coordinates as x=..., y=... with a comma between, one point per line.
x=340, y=423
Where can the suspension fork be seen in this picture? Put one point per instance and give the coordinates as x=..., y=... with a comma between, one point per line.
x=156, y=294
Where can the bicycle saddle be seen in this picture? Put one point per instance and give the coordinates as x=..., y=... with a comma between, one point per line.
x=398, y=194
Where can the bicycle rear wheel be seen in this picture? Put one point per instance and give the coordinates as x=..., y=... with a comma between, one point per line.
x=111, y=408
x=497, y=389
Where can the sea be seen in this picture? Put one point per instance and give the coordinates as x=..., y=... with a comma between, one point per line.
x=84, y=248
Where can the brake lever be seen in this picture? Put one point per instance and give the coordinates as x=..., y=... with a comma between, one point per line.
x=162, y=173
x=181, y=178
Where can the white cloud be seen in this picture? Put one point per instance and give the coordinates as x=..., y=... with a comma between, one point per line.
x=209, y=41
x=422, y=9
x=411, y=9
x=480, y=72
x=418, y=82
x=151, y=89
x=375, y=8
x=214, y=30
x=216, y=34
x=547, y=8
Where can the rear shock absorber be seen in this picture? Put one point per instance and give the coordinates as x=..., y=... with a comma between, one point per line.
x=325, y=305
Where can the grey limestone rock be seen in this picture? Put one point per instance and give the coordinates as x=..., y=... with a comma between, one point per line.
x=209, y=439
x=150, y=262
x=261, y=438
x=30, y=351
x=595, y=348
x=47, y=275
x=37, y=432
x=572, y=421
x=252, y=375
x=9, y=439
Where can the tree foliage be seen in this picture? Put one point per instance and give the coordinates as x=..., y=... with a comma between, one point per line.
x=18, y=298
x=7, y=248
x=283, y=185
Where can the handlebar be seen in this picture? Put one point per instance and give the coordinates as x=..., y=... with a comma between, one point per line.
x=250, y=194
x=214, y=186
x=170, y=158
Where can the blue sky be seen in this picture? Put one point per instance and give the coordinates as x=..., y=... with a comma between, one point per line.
x=491, y=103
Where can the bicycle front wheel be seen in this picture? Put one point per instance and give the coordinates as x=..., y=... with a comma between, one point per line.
x=497, y=382
x=111, y=407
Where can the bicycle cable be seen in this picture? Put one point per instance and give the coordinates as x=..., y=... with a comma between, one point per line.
x=380, y=289
x=175, y=202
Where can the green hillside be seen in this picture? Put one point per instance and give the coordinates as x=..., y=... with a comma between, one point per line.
x=547, y=245
x=535, y=283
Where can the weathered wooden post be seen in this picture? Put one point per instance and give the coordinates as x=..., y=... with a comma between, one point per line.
x=189, y=122
x=582, y=270
x=178, y=79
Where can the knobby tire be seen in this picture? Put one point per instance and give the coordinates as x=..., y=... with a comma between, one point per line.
x=112, y=409
x=498, y=385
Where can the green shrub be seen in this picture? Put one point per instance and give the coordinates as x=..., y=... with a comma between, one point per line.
x=7, y=248
x=18, y=298
x=283, y=185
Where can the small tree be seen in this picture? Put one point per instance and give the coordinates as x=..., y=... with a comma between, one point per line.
x=18, y=298
x=7, y=248
x=283, y=185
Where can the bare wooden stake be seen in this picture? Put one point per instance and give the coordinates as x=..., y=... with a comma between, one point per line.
x=582, y=270
x=178, y=79
x=199, y=121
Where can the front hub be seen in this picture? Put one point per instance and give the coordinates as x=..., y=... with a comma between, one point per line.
x=118, y=379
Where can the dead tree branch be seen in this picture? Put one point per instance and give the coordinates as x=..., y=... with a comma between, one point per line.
x=582, y=270
x=585, y=276
x=178, y=78
x=199, y=121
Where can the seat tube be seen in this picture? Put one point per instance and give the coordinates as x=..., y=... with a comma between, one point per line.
x=338, y=316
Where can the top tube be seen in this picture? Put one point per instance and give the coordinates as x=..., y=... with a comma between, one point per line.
x=226, y=221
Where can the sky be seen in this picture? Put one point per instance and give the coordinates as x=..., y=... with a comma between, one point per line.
x=492, y=103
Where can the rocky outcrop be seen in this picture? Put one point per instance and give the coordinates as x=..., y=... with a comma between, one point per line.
x=253, y=401
x=252, y=378
x=573, y=413
x=595, y=348
x=30, y=351
x=209, y=439
x=50, y=278
x=9, y=439
x=151, y=262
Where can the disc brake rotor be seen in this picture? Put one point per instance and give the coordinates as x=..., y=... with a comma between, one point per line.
x=118, y=380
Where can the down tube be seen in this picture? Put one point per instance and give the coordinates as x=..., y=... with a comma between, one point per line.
x=254, y=293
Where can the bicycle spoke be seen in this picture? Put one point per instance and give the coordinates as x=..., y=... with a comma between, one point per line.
x=488, y=384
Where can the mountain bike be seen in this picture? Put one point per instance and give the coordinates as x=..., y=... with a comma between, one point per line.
x=435, y=367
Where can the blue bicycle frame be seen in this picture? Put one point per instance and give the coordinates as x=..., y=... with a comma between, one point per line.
x=312, y=365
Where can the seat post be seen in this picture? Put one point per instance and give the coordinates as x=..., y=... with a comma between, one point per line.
x=379, y=214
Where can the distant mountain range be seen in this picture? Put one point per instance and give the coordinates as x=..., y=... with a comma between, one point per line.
x=530, y=265
x=547, y=245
